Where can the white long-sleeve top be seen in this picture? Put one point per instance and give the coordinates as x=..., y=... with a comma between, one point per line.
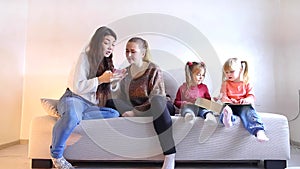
x=78, y=81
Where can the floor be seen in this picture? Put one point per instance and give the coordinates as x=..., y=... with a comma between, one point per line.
x=15, y=157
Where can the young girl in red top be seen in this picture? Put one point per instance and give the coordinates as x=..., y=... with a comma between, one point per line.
x=189, y=91
x=192, y=89
x=237, y=89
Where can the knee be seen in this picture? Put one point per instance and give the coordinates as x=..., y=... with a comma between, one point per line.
x=68, y=112
x=71, y=119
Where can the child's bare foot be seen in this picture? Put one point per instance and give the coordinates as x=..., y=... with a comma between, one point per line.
x=189, y=117
x=261, y=136
x=210, y=119
x=227, y=113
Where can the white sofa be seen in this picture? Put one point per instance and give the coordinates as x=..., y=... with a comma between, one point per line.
x=134, y=139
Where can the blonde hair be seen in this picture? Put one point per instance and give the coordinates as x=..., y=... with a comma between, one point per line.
x=234, y=64
x=143, y=45
x=190, y=69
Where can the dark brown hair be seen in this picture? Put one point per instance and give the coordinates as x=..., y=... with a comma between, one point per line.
x=98, y=63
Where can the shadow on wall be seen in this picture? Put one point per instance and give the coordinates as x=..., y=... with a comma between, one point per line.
x=172, y=41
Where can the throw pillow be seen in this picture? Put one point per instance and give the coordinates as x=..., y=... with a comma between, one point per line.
x=49, y=106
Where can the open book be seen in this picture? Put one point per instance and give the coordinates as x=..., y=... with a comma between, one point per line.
x=213, y=106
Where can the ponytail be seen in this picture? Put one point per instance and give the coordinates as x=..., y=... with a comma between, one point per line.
x=188, y=74
x=244, y=65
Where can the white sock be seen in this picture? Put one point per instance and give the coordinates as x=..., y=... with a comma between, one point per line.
x=169, y=162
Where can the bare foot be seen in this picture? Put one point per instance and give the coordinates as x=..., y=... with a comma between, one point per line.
x=189, y=117
x=261, y=136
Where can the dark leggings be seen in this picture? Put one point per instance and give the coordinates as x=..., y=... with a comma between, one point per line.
x=162, y=121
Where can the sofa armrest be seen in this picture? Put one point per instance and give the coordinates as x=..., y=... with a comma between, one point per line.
x=39, y=136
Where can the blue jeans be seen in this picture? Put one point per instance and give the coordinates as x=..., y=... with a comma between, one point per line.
x=198, y=111
x=249, y=117
x=73, y=110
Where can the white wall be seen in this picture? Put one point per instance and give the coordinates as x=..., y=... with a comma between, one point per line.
x=262, y=32
x=287, y=69
x=12, y=53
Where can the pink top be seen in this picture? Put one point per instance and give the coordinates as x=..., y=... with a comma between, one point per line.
x=237, y=90
x=183, y=95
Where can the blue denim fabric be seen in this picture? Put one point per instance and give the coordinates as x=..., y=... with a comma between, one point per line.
x=233, y=118
x=249, y=117
x=73, y=110
x=198, y=111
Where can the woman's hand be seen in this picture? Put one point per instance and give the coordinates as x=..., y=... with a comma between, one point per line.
x=105, y=77
x=118, y=75
x=128, y=114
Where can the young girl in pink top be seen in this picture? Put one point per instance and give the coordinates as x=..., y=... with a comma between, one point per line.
x=192, y=89
x=189, y=91
x=237, y=89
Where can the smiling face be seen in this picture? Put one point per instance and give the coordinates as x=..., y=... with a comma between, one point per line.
x=108, y=45
x=134, y=53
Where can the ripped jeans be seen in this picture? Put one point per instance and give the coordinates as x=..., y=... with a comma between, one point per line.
x=249, y=117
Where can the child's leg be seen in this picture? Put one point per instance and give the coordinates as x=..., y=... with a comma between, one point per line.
x=227, y=117
x=252, y=122
x=189, y=112
x=207, y=115
x=209, y=126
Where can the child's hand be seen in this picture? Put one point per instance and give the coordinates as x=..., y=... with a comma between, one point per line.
x=244, y=101
x=186, y=102
x=216, y=99
x=234, y=101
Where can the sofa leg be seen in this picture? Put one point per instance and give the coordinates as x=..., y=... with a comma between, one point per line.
x=275, y=164
x=41, y=163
